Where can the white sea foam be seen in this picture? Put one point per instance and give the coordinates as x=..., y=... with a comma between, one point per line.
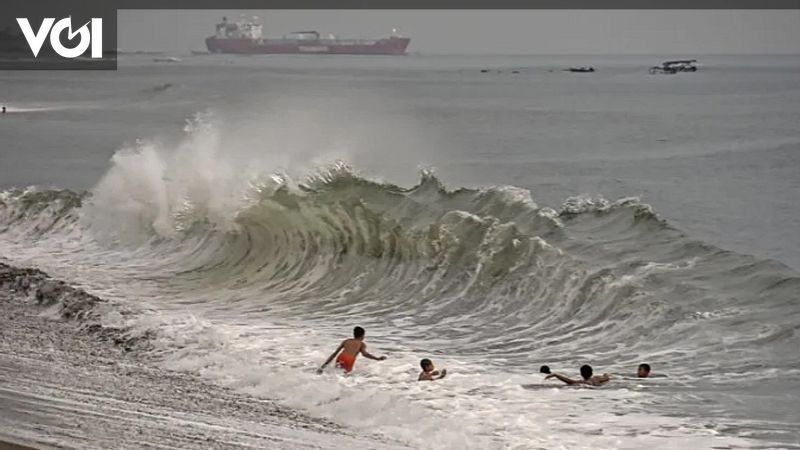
x=238, y=272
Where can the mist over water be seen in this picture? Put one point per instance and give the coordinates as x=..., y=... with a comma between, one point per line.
x=248, y=235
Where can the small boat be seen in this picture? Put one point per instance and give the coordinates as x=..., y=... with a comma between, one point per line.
x=170, y=59
x=672, y=67
x=582, y=69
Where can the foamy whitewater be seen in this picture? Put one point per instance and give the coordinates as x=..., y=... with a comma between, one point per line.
x=244, y=247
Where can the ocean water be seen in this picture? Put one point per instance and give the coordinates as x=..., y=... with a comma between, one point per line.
x=245, y=213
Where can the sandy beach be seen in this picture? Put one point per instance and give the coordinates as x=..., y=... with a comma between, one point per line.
x=67, y=386
x=12, y=446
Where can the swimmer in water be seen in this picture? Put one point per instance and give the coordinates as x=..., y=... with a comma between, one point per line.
x=643, y=371
x=586, y=373
x=545, y=370
x=350, y=348
x=428, y=373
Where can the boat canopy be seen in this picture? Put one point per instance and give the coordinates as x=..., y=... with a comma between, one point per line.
x=311, y=32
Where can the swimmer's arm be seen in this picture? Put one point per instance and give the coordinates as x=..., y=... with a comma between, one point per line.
x=430, y=376
x=603, y=378
x=330, y=358
x=370, y=355
x=561, y=377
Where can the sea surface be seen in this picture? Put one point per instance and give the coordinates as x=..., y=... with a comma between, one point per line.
x=492, y=213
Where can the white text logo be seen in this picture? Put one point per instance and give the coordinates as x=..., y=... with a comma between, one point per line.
x=93, y=38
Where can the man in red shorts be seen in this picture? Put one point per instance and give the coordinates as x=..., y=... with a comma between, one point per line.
x=350, y=348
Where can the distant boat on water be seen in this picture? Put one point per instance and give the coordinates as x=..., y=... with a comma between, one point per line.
x=170, y=59
x=681, y=65
x=582, y=69
x=245, y=37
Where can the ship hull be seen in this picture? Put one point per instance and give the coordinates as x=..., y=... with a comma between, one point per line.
x=389, y=46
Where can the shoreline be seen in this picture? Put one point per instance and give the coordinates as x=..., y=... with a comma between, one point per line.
x=67, y=384
x=12, y=446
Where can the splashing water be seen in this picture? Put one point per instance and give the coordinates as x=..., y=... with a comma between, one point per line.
x=248, y=273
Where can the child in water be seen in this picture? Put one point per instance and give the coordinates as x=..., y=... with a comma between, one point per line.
x=350, y=348
x=428, y=373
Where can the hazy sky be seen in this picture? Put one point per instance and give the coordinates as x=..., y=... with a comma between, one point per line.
x=494, y=31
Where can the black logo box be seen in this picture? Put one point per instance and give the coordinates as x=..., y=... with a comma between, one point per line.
x=15, y=53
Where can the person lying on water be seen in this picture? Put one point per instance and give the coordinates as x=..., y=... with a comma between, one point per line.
x=586, y=373
x=350, y=348
x=428, y=373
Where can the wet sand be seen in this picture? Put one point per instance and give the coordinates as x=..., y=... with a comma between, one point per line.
x=67, y=385
x=12, y=446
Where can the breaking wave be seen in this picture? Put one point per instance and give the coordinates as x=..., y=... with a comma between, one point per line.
x=469, y=271
x=338, y=243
